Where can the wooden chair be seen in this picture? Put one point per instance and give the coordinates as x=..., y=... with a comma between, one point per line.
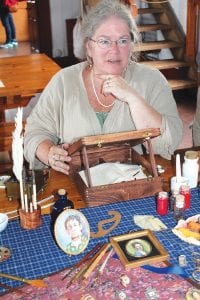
x=6, y=130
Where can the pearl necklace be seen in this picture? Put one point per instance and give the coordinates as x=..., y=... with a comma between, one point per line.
x=95, y=93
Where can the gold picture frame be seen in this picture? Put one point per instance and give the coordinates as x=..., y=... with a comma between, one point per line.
x=138, y=248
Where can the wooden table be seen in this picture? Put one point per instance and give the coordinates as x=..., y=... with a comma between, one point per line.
x=23, y=77
x=58, y=180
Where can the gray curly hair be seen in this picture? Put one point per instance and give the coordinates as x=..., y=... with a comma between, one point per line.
x=104, y=10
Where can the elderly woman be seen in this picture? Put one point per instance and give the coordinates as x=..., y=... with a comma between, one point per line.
x=108, y=93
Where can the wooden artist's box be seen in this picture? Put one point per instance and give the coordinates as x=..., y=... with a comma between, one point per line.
x=91, y=151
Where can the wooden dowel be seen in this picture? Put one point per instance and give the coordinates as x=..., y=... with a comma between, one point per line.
x=96, y=260
x=105, y=261
x=84, y=259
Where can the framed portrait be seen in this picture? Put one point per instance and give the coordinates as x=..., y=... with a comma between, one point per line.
x=138, y=248
x=72, y=231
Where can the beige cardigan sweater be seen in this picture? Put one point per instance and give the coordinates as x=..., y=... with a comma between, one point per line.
x=64, y=114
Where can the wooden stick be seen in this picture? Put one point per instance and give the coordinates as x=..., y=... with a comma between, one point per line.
x=11, y=289
x=31, y=207
x=96, y=260
x=81, y=271
x=21, y=193
x=34, y=195
x=33, y=282
x=105, y=261
x=84, y=259
x=26, y=203
x=102, y=267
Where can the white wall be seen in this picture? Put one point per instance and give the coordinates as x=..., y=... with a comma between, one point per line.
x=60, y=11
x=180, y=8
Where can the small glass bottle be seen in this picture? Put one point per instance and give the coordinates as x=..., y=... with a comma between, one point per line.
x=190, y=167
x=185, y=191
x=172, y=199
x=179, y=207
x=62, y=203
x=162, y=203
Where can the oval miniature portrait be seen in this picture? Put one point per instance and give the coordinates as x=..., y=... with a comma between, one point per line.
x=72, y=231
x=138, y=248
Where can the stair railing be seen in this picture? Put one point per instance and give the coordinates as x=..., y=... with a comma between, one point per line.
x=192, y=30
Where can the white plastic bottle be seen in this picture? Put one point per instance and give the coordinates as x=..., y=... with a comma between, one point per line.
x=190, y=168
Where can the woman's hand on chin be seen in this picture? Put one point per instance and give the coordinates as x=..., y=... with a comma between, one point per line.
x=117, y=86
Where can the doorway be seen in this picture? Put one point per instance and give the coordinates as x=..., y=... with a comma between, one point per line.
x=22, y=33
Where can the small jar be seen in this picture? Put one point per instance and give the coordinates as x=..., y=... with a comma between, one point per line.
x=190, y=167
x=185, y=191
x=182, y=260
x=162, y=203
x=172, y=199
x=179, y=207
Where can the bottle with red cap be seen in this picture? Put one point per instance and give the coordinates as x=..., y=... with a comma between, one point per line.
x=185, y=191
x=162, y=203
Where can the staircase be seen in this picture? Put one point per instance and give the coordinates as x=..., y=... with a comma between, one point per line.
x=181, y=74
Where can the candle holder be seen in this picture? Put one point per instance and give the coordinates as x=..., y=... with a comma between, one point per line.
x=30, y=220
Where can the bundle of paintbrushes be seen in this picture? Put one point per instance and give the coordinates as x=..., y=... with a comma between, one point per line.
x=30, y=212
x=87, y=265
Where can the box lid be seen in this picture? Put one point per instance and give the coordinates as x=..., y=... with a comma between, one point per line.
x=134, y=137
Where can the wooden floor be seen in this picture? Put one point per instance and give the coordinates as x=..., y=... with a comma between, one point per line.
x=186, y=100
x=23, y=48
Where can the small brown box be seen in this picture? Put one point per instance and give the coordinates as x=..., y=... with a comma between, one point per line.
x=115, y=147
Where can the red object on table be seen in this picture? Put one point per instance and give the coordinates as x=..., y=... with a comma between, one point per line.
x=162, y=203
x=185, y=191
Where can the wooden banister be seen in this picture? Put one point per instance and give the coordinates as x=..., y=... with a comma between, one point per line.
x=133, y=8
x=193, y=7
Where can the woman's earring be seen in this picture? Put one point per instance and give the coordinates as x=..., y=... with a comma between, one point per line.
x=131, y=60
x=89, y=61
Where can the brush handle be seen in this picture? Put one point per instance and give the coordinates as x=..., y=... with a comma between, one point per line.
x=12, y=277
x=96, y=260
x=35, y=282
x=105, y=261
x=84, y=259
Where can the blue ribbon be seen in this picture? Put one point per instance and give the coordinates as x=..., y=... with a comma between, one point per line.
x=173, y=269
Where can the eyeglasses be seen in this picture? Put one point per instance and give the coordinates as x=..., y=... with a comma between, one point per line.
x=106, y=43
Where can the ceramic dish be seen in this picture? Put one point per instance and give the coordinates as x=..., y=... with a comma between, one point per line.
x=183, y=224
x=3, y=221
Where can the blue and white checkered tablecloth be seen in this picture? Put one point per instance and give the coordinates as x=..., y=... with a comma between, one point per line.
x=35, y=253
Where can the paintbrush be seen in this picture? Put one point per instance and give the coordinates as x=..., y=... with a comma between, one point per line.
x=102, y=267
x=11, y=289
x=94, y=262
x=85, y=267
x=84, y=259
x=34, y=282
x=105, y=261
